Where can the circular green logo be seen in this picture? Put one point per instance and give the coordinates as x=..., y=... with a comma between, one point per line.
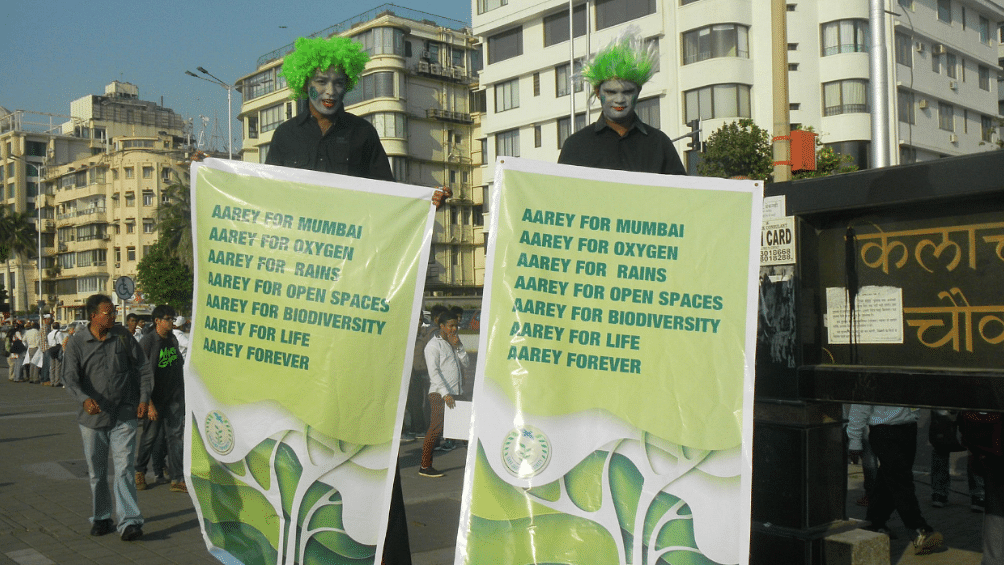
x=526, y=452
x=219, y=432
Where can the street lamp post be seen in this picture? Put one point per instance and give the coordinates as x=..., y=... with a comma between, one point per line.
x=230, y=118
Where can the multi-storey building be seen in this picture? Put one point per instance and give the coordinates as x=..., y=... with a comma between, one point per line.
x=715, y=66
x=416, y=91
x=103, y=171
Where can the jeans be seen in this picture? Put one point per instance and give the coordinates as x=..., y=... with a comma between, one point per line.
x=121, y=439
x=170, y=429
x=941, y=477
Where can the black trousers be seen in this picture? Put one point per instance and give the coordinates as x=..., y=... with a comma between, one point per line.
x=896, y=448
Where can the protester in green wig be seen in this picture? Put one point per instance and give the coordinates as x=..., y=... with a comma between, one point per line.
x=311, y=54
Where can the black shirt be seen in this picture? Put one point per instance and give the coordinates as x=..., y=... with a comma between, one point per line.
x=350, y=147
x=168, y=374
x=643, y=149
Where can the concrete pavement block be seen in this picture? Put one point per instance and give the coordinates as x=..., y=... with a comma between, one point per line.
x=857, y=547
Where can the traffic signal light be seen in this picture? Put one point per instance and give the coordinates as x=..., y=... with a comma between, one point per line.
x=695, y=135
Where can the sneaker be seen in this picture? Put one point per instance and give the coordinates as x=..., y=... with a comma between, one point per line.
x=179, y=487
x=447, y=445
x=407, y=437
x=140, y=481
x=978, y=504
x=927, y=541
x=132, y=532
x=429, y=472
x=102, y=527
x=939, y=500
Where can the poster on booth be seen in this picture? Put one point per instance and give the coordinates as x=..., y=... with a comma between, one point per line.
x=307, y=298
x=613, y=400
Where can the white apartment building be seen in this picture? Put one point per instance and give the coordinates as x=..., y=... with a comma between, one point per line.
x=416, y=91
x=102, y=171
x=715, y=66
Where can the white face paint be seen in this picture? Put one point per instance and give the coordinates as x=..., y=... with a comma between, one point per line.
x=326, y=90
x=618, y=98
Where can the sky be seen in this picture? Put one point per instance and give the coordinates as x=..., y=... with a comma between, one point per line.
x=58, y=51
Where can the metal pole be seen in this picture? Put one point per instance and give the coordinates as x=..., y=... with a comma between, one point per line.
x=782, y=116
x=39, y=199
x=571, y=68
x=230, y=125
x=879, y=85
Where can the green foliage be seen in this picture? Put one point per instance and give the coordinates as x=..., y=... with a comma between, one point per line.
x=175, y=215
x=739, y=149
x=742, y=149
x=165, y=279
x=17, y=237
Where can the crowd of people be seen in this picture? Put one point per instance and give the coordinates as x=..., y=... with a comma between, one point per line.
x=129, y=383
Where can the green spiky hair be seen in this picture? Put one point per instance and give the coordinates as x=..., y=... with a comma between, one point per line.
x=624, y=59
x=311, y=54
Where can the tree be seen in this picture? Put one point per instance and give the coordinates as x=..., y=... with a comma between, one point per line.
x=165, y=279
x=17, y=237
x=742, y=149
x=739, y=149
x=175, y=215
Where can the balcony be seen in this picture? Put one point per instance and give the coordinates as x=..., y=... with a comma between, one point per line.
x=449, y=116
x=93, y=214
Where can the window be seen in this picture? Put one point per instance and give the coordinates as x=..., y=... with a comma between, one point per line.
x=721, y=40
x=507, y=143
x=147, y=198
x=845, y=97
x=507, y=95
x=984, y=29
x=536, y=84
x=130, y=253
x=505, y=45
x=67, y=260
x=946, y=116
x=792, y=47
x=261, y=84
x=538, y=136
x=399, y=166
x=908, y=4
x=563, y=132
x=165, y=175
x=945, y=11
x=388, y=124
x=556, y=25
x=792, y=67
x=904, y=50
x=648, y=112
x=130, y=199
x=951, y=65
x=613, y=12
x=382, y=41
x=986, y=128
x=374, y=85
x=118, y=255
x=130, y=172
x=115, y=174
x=263, y=152
x=269, y=118
x=149, y=226
x=562, y=79
x=96, y=175
x=252, y=127
x=984, y=77
x=489, y=5
x=935, y=63
x=479, y=101
x=717, y=101
x=130, y=226
x=36, y=148
x=907, y=113
x=845, y=36
x=97, y=257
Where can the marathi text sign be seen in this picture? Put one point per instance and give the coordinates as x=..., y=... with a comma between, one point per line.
x=308, y=292
x=613, y=404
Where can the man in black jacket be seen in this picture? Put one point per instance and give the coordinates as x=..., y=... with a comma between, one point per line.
x=167, y=401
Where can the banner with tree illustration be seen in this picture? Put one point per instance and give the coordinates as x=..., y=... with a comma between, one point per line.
x=308, y=292
x=613, y=398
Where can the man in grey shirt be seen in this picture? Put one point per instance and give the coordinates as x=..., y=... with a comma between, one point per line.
x=106, y=372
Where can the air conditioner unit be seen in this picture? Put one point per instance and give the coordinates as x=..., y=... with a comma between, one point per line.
x=106, y=237
x=952, y=138
x=918, y=46
x=938, y=49
x=435, y=69
x=953, y=84
x=425, y=54
x=423, y=66
x=922, y=103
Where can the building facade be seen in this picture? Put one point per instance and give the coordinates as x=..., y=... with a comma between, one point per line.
x=102, y=174
x=416, y=91
x=715, y=66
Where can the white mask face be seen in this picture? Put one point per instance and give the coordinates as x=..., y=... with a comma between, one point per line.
x=326, y=90
x=618, y=98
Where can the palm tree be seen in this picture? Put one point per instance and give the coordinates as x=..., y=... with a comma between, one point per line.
x=175, y=215
x=17, y=237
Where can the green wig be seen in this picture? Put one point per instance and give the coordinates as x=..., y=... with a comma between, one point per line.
x=311, y=54
x=626, y=58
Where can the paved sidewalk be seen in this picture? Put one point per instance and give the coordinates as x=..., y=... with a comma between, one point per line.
x=45, y=500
